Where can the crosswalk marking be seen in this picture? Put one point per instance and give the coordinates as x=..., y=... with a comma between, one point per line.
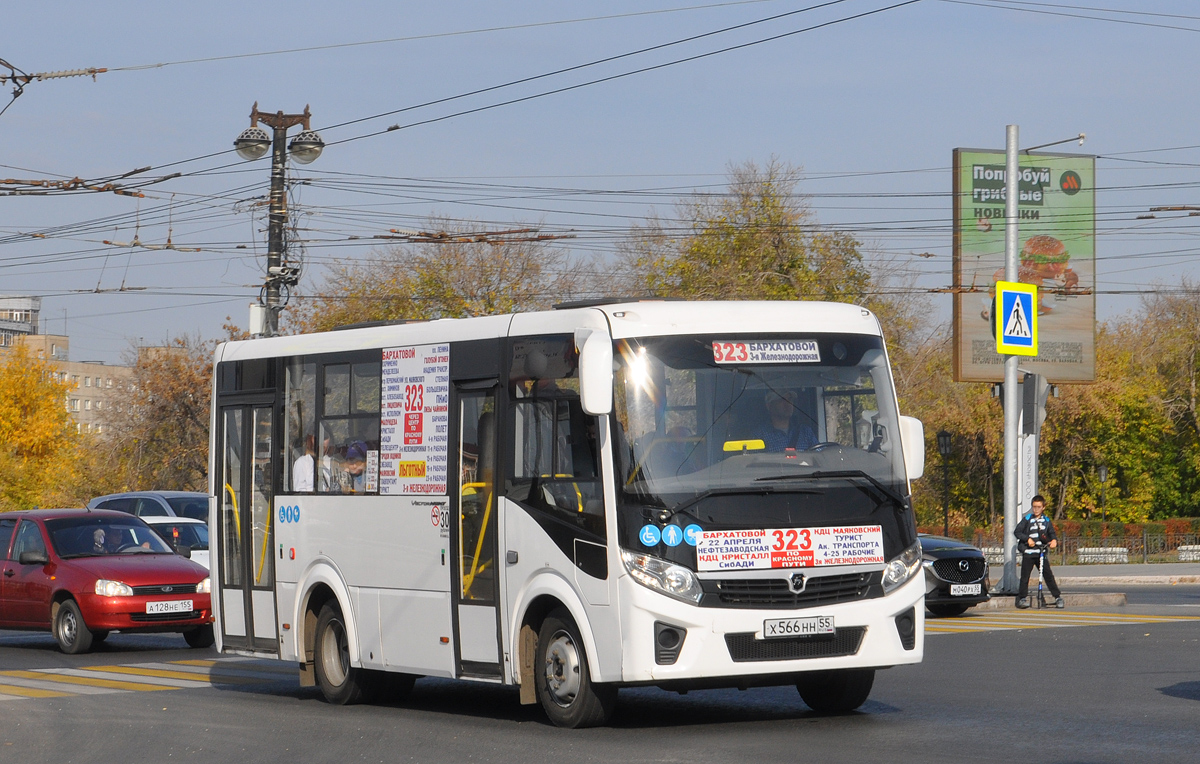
x=1033, y=619
x=140, y=677
x=166, y=676
x=13, y=692
x=66, y=677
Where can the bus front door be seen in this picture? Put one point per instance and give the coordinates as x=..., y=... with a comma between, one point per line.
x=477, y=616
x=247, y=570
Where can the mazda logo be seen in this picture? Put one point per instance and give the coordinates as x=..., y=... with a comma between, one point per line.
x=964, y=565
x=797, y=583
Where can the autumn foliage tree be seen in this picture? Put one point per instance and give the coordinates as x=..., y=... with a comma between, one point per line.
x=756, y=241
x=158, y=432
x=471, y=273
x=39, y=448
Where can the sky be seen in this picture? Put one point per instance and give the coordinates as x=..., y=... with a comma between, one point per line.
x=869, y=106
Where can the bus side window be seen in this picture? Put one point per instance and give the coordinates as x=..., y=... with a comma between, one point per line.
x=300, y=422
x=347, y=447
x=556, y=465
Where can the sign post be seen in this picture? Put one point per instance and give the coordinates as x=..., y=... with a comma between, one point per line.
x=1008, y=580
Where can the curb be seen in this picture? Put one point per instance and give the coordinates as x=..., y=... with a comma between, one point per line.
x=1126, y=580
x=1072, y=581
x=1072, y=600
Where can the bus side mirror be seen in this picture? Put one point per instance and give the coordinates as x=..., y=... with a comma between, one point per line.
x=595, y=371
x=912, y=440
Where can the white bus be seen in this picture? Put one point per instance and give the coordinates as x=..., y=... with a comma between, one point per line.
x=678, y=494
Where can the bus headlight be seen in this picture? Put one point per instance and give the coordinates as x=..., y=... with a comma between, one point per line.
x=902, y=567
x=662, y=576
x=106, y=588
x=204, y=587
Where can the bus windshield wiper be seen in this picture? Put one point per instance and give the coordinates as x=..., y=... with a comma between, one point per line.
x=847, y=474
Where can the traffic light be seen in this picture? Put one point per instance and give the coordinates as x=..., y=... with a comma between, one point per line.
x=1034, y=391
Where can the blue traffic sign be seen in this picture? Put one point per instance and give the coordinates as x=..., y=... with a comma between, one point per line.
x=1016, y=318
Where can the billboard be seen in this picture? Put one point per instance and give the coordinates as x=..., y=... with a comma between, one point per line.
x=1057, y=250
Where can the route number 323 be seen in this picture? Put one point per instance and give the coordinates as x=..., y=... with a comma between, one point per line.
x=792, y=540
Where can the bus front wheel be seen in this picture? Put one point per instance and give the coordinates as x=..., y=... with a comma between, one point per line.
x=835, y=692
x=340, y=683
x=564, y=684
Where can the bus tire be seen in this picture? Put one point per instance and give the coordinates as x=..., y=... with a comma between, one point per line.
x=340, y=683
x=835, y=692
x=564, y=684
x=70, y=631
x=201, y=636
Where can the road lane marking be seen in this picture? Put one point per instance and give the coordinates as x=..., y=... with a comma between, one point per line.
x=125, y=674
x=1042, y=620
x=13, y=692
x=226, y=675
x=140, y=677
x=276, y=667
x=62, y=675
x=42, y=682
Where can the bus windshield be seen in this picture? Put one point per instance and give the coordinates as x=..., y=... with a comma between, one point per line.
x=727, y=414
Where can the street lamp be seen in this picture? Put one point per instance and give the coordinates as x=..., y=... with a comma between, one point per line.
x=252, y=144
x=1103, y=472
x=945, y=446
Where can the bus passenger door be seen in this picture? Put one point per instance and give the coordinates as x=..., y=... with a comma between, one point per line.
x=474, y=495
x=247, y=570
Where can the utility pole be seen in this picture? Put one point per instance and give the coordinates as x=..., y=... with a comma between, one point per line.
x=1012, y=411
x=305, y=147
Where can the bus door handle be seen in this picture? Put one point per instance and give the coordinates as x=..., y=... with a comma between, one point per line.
x=511, y=557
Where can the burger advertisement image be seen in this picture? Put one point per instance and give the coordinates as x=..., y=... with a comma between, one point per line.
x=1057, y=238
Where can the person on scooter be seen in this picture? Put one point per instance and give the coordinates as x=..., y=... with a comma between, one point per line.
x=1036, y=536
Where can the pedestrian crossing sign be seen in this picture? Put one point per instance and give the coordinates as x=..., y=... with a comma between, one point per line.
x=1016, y=318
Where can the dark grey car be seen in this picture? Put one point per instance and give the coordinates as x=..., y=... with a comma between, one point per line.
x=156, y=504
x=956, y=575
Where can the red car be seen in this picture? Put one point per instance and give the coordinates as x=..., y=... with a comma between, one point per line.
x=82, y=574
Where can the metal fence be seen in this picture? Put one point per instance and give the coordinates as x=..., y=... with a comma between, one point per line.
x=1084, y=550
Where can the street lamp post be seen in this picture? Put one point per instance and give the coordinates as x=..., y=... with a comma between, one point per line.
x=1103, y=472
x=304, y=148
x=945, y=445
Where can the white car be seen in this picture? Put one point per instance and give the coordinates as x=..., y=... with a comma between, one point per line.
x=182, y=532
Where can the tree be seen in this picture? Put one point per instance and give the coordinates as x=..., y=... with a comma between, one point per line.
x=757, y=241
x=451, y=279
x=39, y=448
x=158, y=435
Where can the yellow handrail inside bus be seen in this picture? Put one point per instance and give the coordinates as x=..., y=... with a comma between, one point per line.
x=475, y=567
x=262, y=560
x=237, y=519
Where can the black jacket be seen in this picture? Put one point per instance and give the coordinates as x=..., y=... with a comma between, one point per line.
x=1038, y=527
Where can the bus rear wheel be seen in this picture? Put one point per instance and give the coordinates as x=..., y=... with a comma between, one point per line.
x=340, y=683
x=835, y=692
x=564, y=683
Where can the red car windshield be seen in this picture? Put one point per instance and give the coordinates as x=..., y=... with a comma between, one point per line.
x=103, y=536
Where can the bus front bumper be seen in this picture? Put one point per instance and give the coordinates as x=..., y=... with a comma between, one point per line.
x=725, y=644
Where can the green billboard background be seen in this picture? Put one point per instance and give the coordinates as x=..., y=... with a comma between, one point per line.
x=1057, y=250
